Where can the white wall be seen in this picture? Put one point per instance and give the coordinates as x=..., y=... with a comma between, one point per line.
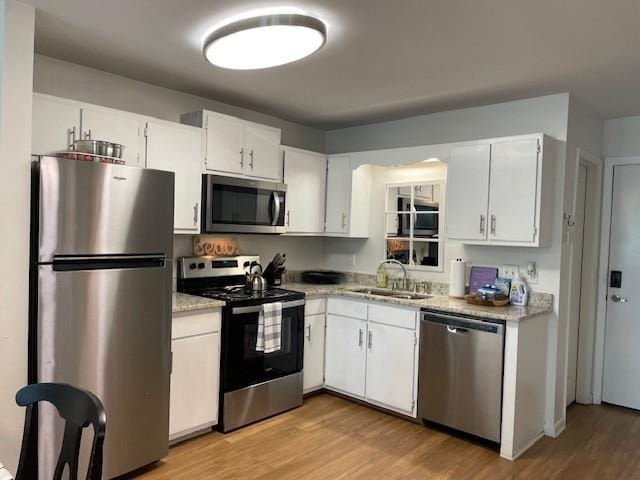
x=622, y=137
x=16, y=66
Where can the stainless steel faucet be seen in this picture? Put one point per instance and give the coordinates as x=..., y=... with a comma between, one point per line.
x=404, y=272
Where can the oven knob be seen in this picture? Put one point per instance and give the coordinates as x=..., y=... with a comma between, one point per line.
x=201, y=265
x=192, y=266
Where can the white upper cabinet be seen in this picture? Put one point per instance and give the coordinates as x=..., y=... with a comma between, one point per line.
x=237, y=147
x=100, y=123
x=348, y=205
x=305, y=174
x=468, y=192
x=263, y=149
x=501, y=192
x=179, y=148
x=56, y=121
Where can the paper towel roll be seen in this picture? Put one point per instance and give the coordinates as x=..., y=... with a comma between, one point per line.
x=458, y=276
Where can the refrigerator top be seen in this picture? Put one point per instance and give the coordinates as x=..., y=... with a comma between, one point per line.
x=87, y=208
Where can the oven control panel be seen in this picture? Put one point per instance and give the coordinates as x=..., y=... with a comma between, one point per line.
x=197, y=267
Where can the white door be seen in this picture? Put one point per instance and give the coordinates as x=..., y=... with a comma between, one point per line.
x=225, y=143
x=179, y=149
x=622, y=332
x=468, y=192
x=264, y=157
x=55, y=120
x=117, y=127
x=512, y=191
x=313, y=373
x=346, y=354
x=305, y=174
x=391, y=366
x=576, y=284
x=338, y=194
x=194, y=383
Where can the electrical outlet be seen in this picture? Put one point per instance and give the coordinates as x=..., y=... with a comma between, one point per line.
x=510, y=271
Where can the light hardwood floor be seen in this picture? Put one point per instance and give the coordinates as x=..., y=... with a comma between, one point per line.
x=331, y=438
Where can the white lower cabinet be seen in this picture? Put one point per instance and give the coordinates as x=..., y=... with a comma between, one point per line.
x=313, y=373
x=346, y=354
x=195, y=375
x=391, y=358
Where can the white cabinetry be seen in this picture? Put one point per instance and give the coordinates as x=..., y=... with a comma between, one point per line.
x=348, y=205
x=501, y=192
x=371, y=353
x=238, y=147
x=179, y=148
x=101, y=123
x=56, y=121
x=195, y=376
x=314, y=332
x=346, y=354
x=305, y=174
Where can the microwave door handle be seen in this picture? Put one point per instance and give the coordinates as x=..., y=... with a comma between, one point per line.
x=276, y=204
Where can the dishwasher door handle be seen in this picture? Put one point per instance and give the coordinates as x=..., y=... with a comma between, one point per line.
x=457, y=330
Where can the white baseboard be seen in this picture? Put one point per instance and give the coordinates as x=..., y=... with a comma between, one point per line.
x=520, y=451
x=556, y=429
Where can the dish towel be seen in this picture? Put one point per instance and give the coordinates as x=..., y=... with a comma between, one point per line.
x=4, y=473
x=269, y=338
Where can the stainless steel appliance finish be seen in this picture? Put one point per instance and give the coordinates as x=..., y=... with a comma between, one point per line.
x=207, y=267
x=101, y=301
x=460, y=376
x=424, y=224
x=240, y=205
x=263, y=400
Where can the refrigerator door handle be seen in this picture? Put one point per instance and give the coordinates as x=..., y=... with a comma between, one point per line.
x=69, y=263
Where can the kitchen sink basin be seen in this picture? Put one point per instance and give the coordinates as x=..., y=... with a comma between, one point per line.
x=392, y=293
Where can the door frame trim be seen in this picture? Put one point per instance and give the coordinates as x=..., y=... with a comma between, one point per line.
x=605, y=232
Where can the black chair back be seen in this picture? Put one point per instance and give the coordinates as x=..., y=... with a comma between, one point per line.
x=79, y=408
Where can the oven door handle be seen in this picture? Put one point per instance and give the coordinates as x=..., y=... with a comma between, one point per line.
x=276, y=205
x=260, y=308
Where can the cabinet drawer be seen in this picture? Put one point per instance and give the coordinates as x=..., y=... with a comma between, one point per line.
x=347, y=308
x=397, y=317
x=188, y=324
x=315, y=306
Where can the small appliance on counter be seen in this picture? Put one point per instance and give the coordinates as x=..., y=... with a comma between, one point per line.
x=275, y=269
x=323, y=277
x=254, y=384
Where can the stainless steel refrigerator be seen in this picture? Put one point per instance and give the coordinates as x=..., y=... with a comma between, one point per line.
x=100, y=299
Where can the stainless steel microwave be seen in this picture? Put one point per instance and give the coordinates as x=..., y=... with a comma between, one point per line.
x=240, y=205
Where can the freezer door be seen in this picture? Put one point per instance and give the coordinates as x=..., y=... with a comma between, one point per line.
x=88, y=208
x=108, y=331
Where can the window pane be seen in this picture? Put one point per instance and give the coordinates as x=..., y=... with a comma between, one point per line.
x=398, y=250
x=426, y=253
x=397, y=225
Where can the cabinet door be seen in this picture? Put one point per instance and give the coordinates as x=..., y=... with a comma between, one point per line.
x=313, y=373
x=262, y=146
x=391, y=367
x=54, y=121
x=345, y=354
x=468, y=192
x=225, y=143
x=513, y=188
x=338, y=194
x=117, y=127
x=194, y=383
x=179, y=149
x=305, y=174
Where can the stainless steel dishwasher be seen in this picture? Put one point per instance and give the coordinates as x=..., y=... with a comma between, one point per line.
x=460, y=376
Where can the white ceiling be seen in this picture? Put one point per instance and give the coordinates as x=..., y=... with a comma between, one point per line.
x=384, y=59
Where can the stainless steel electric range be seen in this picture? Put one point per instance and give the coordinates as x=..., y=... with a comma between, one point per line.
x=254, y=385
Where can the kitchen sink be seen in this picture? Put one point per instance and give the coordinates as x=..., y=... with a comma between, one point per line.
x=392, y=293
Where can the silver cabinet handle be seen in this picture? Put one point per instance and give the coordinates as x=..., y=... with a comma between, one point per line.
x=288, y=218
x=88, y=135
x=359, y=337
x=493, y=224
x=251, y=159
x=242, y=157
x=72, y=135
x=482, y=219
x=195, y=214
x=309, y=332
x=370, y=340
x=618, y=299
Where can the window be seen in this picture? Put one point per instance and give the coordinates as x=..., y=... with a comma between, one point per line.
x=414, y=223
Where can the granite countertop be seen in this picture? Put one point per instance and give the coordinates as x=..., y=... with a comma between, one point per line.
x=185, y=303
x=540, y=304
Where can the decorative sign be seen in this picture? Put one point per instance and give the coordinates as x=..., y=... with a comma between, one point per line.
x=213, y=246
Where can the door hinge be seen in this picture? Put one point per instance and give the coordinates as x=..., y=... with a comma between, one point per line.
x=413, y=404
x=535, y=232
x=415, y=340
x=539, y=147
x=146, y=132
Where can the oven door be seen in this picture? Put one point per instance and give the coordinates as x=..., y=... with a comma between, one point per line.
x=238, y=205
x=242, y=364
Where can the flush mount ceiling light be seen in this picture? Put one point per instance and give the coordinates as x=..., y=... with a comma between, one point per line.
x=431, y=160
x=265, y=41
